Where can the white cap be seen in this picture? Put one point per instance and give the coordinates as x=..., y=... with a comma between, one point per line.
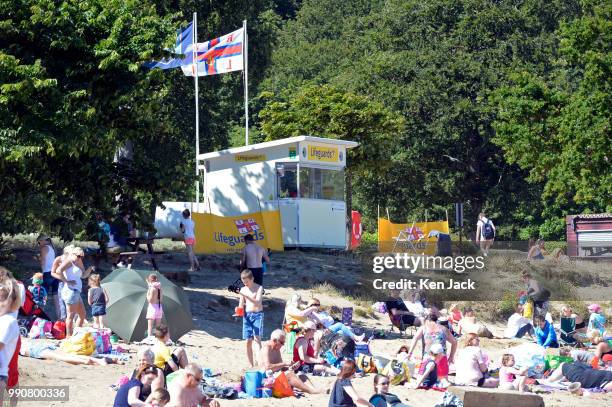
x=310, y=325
x=436, y=349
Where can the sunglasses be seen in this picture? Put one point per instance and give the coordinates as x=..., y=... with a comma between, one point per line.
x=384, y=383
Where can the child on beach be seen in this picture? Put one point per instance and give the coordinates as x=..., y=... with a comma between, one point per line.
x=10, y=300
x=97, y=298
x=158, y=398
x=187, y=226
x=252, y=324
x=428, y=372
x=39, y=293
x=455, y=314
x=508, y=379
x=154, y=310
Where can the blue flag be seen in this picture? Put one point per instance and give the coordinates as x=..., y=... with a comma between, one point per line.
x=184, y=42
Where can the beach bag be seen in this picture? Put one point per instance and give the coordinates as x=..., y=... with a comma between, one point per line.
x=81, y=343
x=397, y=372
x=332, y=359
x=281, y=387
x=41, y=329
x=487, y=230
x=102, y=340
x=366, y=363
x=39, y=295
x=361, y=348
x=59, y=330
x=252, y=383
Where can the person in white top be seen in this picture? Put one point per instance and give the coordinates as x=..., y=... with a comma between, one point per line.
x=46, y=257
x=518, y=325
x=10, y=300
x=485, y=233
x=187, y=226
x=70, y=272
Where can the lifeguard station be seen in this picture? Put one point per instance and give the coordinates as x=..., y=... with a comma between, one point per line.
x=301, y=176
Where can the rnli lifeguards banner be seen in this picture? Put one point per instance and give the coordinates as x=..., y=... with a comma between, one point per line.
x=225, y=234
x=402, y=237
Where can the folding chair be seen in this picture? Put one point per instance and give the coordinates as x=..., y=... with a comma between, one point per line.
x=406, y=237
x=398, y=322
x=567, y=329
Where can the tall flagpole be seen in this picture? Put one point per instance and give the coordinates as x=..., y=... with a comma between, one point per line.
x=245, y=62
x=197, y=109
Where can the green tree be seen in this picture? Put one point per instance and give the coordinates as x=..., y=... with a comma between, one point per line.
x=556, y=125
x=324, y=111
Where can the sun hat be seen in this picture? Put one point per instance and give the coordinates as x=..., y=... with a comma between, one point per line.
x=594, y=308
x=436, y=349
x=310, y=325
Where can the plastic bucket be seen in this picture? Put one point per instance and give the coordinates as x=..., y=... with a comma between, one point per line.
x=252, y=383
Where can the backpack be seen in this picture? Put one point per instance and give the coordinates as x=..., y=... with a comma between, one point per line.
x=39, y=295
x=487, y=230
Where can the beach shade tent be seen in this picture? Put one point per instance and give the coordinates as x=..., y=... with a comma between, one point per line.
x=127, y=306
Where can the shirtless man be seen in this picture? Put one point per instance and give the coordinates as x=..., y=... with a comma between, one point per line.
x=252, y=254
x=252, y=324
x=185, y=390
x=271, y=359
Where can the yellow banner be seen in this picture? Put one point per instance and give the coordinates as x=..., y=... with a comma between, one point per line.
x=221, y=234
x=326, y=154
x=249, y=158
x=400, y=237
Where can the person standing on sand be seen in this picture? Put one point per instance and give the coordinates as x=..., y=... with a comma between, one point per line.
x=485, y=233
x=185, y=390
x=187, y=226
x=252, y=256
x=271, y=359
x=252, y=323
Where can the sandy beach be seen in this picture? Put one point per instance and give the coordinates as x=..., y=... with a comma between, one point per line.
x=216, y=342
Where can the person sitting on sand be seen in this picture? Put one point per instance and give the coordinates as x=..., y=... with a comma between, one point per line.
x=41, y=350
x=303, y=352
x=146, y=357
x=159, y=398
x=382, y=397
x=469, y=325
x=343, y=394
x=567, y=312
x=165, y=359
x=185, y=390
x=508, y=379
x=588, y=377
x=518, y=325
x=472, y=364
x=597, y=321
x=271, y=359
x=321, y=317
x=294, y=314
x=537, y=251
x=433, y=333
x=128, y=394
x=427, y=376
x=545, y=333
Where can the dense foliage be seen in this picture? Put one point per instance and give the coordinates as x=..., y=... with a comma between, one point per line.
x=502, y=105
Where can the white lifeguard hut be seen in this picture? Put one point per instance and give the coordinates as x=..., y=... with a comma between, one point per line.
x=301, y=176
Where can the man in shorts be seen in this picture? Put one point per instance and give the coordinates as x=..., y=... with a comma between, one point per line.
x=271, y=359
x=252, y=256
x=185, y=390
x=252, y=323
x=485, y=233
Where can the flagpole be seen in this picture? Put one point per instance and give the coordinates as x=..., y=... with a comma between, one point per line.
x=197, y=108
x=245, y=63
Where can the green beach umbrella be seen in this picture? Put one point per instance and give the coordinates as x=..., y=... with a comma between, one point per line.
x=127, y=306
